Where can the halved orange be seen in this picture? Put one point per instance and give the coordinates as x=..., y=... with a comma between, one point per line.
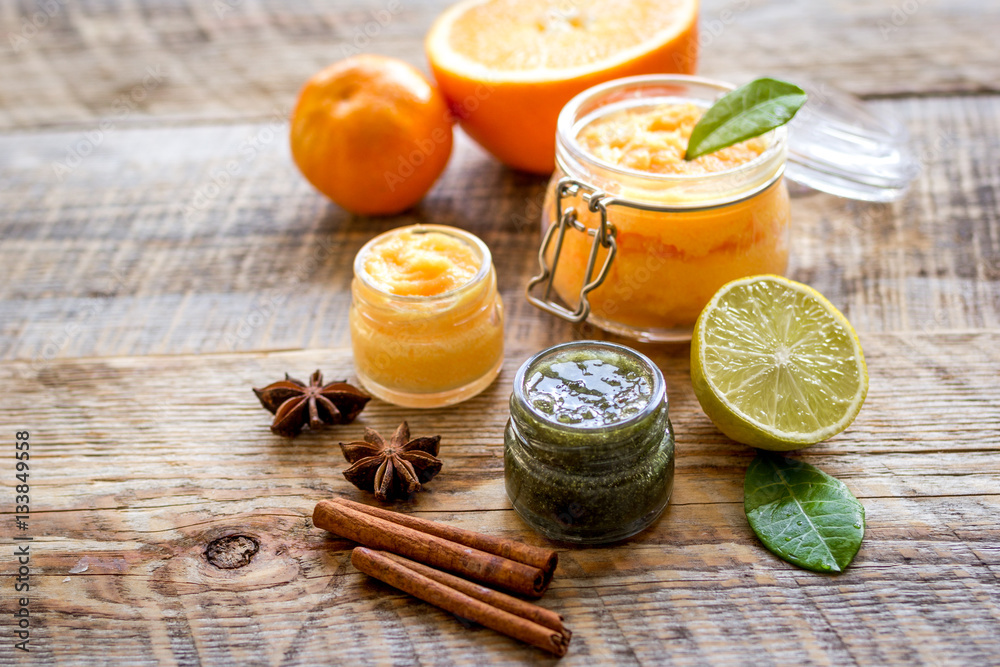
x=507, y=67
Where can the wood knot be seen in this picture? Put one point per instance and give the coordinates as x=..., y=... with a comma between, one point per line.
x=232, y=551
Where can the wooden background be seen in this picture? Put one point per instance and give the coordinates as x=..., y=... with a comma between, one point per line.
x=143, y=292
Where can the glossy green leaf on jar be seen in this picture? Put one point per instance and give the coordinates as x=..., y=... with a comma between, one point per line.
x=744, y=113
x=801, y=514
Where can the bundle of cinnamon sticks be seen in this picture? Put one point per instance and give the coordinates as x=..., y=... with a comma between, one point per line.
x=423, y=557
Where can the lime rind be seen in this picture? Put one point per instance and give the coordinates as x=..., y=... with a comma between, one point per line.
x=776, y=365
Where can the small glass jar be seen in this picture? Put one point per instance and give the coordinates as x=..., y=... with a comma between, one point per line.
x=426, y=351
x=639, y=253
x=589, y=447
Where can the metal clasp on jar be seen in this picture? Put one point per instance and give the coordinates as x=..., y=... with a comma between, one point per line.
x=604, y=236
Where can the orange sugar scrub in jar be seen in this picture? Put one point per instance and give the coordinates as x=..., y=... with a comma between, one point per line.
x=637, y=238
x=426, y=319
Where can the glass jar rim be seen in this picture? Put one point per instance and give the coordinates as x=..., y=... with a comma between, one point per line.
x=486, y=262
x=566, y=137
x=658, y=395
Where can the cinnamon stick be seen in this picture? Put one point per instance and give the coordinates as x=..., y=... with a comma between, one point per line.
x=382, y=567
x=532, y=612
x=545, y=559
x=439, y=552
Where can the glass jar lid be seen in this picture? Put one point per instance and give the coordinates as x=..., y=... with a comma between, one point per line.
x=589, y=388
x=839, y=145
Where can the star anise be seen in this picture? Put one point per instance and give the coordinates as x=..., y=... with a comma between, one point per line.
x=393, y=469
x=295, y=403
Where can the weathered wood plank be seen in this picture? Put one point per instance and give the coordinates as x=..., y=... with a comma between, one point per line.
x=123, y=243
x=710, y=595
x=139, y=463
x=150, y=247
x=229, y=59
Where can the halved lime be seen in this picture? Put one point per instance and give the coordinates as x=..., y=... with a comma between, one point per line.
x=775, y=365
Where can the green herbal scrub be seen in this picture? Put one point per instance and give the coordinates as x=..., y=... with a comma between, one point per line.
x=589, y=448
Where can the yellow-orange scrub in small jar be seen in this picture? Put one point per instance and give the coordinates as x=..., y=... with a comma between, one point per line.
x=679, y=229
x=426, y=319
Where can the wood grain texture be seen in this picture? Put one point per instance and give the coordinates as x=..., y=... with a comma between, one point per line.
x=150, y=246
x=144, y=461
x=75, y=63
x=160, y=255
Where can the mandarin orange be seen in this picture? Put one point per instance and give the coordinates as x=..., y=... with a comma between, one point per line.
x=371, y=133
x=507, y=67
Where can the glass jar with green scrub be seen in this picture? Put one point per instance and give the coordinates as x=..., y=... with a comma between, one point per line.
x=589, y=448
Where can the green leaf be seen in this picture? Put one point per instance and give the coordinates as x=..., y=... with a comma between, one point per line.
x=801, y=514
x=747, y=112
